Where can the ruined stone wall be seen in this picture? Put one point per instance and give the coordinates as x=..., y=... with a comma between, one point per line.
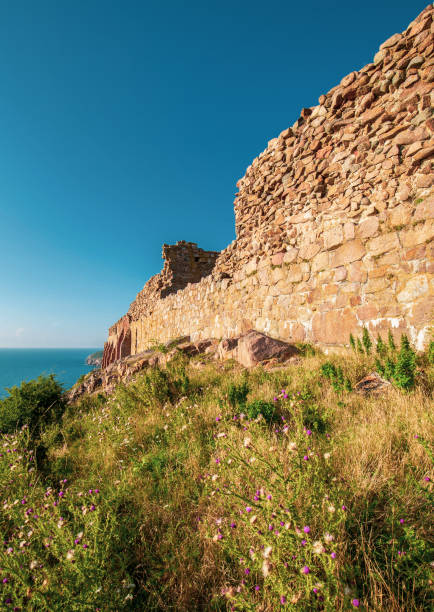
x=334, y=220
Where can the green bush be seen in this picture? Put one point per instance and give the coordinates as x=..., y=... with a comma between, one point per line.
x=431, y=353
x=35, y=403
x=336, y=376
x=237, y=394
x=399, y=368
x=266, y=409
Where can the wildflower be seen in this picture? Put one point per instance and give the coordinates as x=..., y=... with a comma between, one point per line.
x=306, y=458
x=326, y=456
x=305, y=570
x=306, y=529
x=233, y=525
x=85, y=546
x=356, y=603
x=248, y=509
x=317, y=547
x=303, y=542
x=427, y=479
x=331, y=509
x=257, y=588
x=219, y=418
x=274, y=399
x=328, y=537
x=247, y=571
x=253, y=519
x=5, y=580
x=344, y=508
x=33, y=564
x=402, y=521
x=308, y=432
x=333, y=555
x=283, y=600
x=70, y=555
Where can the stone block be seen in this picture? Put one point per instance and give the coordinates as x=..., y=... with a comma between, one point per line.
x=383, y=243
x=347, y=253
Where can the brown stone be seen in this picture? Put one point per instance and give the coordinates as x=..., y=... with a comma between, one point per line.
x=309, y=251
x=351, y=251
x=368, y=227
x=227, y=349
x=334, y=326
x=383, y=243
x=255, y=347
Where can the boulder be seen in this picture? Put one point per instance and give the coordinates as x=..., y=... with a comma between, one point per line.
x=373, y=383
x=227, y=349
x=255, y=347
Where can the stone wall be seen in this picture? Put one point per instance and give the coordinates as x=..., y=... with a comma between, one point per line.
x=334, y=221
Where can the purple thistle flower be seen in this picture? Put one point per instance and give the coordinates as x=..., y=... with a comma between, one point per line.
x=402, y=521
x=257, y=587
x=303, y=542
x=5, y=580
x=356, y=603
x=306, y=458
x=306, y=569
x=85, y=546
x=306, y=529
x=344, y=508
x=308, y=432
x=333, y=555
x=233, y=525
x=283, y=600
x=92, y=508
x=8, y=600
x=61, y=493
x=248, y=509
x=269, y=496
x=247, y=571
x=274, y=399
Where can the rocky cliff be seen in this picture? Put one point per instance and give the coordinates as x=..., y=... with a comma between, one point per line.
x=334, y=223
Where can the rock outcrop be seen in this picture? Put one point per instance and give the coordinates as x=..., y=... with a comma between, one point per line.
x=334, y=223
x=249, y=350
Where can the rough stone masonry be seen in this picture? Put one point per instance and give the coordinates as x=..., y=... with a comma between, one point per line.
x=334, y=223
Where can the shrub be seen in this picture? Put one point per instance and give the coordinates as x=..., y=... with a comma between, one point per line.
x=237, y=394
x=336, y=376
x=431, y=353
x=266, y=409
x=35, y=403
x=401, y=368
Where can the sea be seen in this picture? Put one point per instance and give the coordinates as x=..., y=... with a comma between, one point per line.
x=18, y=365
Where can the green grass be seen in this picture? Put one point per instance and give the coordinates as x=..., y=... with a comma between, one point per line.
x=214, y=488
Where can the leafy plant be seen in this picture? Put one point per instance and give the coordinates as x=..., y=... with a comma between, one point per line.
x=35, y=403
x=237, y=394
x=336, y=376
x=401, y=368
x=261, y=407
x=366, y=340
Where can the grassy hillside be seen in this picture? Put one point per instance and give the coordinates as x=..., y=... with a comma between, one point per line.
x=209, y=487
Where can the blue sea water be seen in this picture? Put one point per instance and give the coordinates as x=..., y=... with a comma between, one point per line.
x=17, y=365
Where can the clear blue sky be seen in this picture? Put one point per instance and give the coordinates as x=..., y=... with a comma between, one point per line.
x=126, y=124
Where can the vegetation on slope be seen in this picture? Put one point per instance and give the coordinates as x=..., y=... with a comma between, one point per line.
x=217, y=488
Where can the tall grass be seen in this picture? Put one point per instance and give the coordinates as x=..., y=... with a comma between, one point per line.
x=176, y=493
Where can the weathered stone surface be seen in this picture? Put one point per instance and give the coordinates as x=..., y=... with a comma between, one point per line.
x=372, y=384
x=227, y=349
x=255, y=347
x=334, y=326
